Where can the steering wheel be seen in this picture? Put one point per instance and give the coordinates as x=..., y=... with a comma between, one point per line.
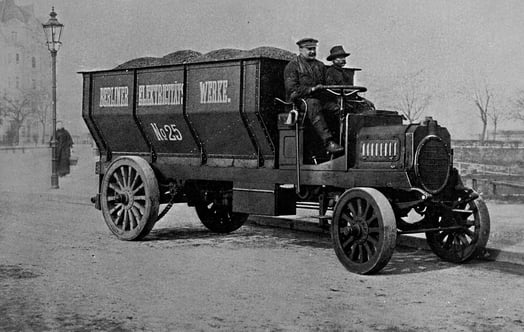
x=344, y=90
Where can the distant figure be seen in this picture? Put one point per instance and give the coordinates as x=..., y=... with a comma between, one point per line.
x=64, y=143
x=338, y=75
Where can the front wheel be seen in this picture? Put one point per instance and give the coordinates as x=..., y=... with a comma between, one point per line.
x=464, y=244
x=363, y=230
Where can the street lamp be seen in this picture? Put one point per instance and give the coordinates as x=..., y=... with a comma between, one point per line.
x=53, y=30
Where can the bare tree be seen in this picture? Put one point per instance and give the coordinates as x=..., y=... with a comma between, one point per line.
x=481, y=95
x=410, y=94
x=413, y=96
x=17, y=108
x=496, y=115
x=518, y=106
x=41, y=103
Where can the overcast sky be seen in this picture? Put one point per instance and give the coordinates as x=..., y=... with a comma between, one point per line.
x=454, y=42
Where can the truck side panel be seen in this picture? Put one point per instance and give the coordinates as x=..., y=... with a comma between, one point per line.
x=214, y=105
x=160, y=110
x=113, y=112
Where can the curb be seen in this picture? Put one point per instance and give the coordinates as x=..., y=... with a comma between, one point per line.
x=409, y=241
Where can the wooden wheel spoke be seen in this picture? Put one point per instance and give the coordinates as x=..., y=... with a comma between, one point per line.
x=136, y=177
x=349, y=240
x=132, y=219
x=361, y=253
x=115, y=188
x=352, y=209
x=463, y=240
x=373, y=230
x=353, y=252
x=115, y=208
x=373, y=219
x=124, y=176
x=346, y=218
x=359, y=207
x=118, y=180
x=449, y=241
x=373, y=241
x=139, y=198
x=126, y=220
x=370, y=250
x=366, y=211
x=136, y=213
x=128, y=181
x=119, y=219
x=141, y=186
x=140, y=207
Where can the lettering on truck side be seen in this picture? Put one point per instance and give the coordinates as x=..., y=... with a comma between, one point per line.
x=161, y=94
x=214, y=92
x=167, y=132
x=114, y=96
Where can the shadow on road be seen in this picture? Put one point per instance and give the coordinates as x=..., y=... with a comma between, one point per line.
x=403, y=261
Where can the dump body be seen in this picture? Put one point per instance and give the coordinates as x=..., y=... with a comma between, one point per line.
x=219, y=113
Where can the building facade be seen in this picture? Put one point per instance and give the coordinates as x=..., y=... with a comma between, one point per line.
x=25, y=68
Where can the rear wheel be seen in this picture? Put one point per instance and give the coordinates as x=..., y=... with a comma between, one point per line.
x=219, y=219
x=363, y=230
x=462, y=245
x=130, y=198
x=215, y=211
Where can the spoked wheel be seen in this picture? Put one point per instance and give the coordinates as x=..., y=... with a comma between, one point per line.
x=130, y=198
x=363, y=230
x=219, y=218
x=461, y=245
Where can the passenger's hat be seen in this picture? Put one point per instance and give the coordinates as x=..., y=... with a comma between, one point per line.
x=337, y=52
x=307, y=42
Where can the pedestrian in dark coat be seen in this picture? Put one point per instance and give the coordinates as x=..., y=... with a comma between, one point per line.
x=304, y=77
x=64, y=143
x=338, y=75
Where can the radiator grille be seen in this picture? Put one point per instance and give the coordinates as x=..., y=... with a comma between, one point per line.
x=432, y=163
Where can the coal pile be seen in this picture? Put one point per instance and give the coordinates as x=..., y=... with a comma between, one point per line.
x=190, y=56
x=180, y=57
x=140, y=62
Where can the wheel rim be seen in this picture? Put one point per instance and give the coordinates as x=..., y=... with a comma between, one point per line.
x=461, y=245
x=363, y=230
x=130, y=198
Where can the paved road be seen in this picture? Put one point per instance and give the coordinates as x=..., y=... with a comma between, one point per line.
x=61, y=269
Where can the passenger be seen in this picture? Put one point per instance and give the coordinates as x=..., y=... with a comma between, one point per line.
x=338, y=75
x=304, y=77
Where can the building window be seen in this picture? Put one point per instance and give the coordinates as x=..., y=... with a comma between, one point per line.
x=17, y=58
x=34, y=84
x=14, y=36
x=33, y=62
x=17, y=82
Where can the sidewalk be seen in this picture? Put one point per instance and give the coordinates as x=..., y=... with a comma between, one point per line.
x=30, y=172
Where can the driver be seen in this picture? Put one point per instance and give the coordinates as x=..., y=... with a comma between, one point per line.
x=338, y=75
x=304, y=77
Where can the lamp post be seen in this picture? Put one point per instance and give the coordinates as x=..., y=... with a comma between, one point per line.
x=53, y=30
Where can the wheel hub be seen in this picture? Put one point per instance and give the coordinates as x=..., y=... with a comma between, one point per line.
x=125, y=198
x=358, y=229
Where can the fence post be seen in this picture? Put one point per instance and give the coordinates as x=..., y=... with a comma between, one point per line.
x=474, y=184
